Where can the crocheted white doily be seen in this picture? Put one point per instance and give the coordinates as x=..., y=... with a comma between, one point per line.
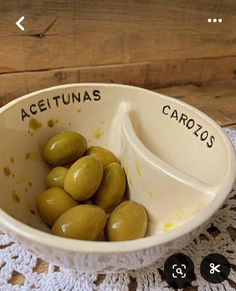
x=217, y=238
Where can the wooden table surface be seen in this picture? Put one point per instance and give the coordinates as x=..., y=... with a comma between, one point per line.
x=217, y=99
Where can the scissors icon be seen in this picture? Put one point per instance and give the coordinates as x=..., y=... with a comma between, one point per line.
x=214, y=268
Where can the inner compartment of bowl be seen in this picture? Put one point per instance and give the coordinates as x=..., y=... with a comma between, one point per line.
x=28, y=124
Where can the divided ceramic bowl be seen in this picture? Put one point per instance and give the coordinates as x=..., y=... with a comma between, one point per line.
x=179, y=164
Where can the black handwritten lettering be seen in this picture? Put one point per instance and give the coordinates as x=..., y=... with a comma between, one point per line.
x=183, y=117
x=204, y=135
x=31, y=109
x=41, y=105
x=164, y=111
x=49, y=104
x=56, y=99
x=199, y=128
x=212, y=139
x=65, y=100
x=86, y=96
x=75, y=97
x=189, y=125
x=174, y=115
x=60, y=100
x=96, y=94
x=24, y=114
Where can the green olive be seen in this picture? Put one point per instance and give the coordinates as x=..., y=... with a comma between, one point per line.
x=84, y=222
x=84, y=178
x=127, y=221
x=104, y=155
x=64, y=148
x=112, y=187
x=56, y=177
x=52, y=203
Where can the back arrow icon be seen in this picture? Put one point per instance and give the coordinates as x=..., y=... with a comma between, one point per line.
x=18, y=23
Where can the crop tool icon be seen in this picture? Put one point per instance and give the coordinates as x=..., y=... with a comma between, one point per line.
x=179, y=271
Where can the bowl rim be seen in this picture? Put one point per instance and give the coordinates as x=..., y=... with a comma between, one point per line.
x=24, y=231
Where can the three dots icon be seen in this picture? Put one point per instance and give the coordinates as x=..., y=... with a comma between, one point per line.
x=215, y=20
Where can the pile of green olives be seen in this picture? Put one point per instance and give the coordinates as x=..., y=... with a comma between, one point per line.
x=85, y=193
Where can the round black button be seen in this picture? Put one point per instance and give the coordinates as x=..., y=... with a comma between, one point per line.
x=215, y=268
x=179, y=271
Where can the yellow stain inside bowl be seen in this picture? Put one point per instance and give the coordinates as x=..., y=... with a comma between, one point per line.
x=31, y=156
x=150, y=193
x=168, y=225
x=15, y=196
x=6, y=171
x=97, y=133
x=52, y=122
x=30, y=208
x=137, y=167
x=179, y=212
x=34, y=124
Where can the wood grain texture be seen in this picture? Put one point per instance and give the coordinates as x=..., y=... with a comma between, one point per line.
x=148, y=75
x=29, y=82
x=218, y=100
x=78, y=33
x=166, y=73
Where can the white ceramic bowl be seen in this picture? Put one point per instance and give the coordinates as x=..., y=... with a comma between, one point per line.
x=179, y=164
